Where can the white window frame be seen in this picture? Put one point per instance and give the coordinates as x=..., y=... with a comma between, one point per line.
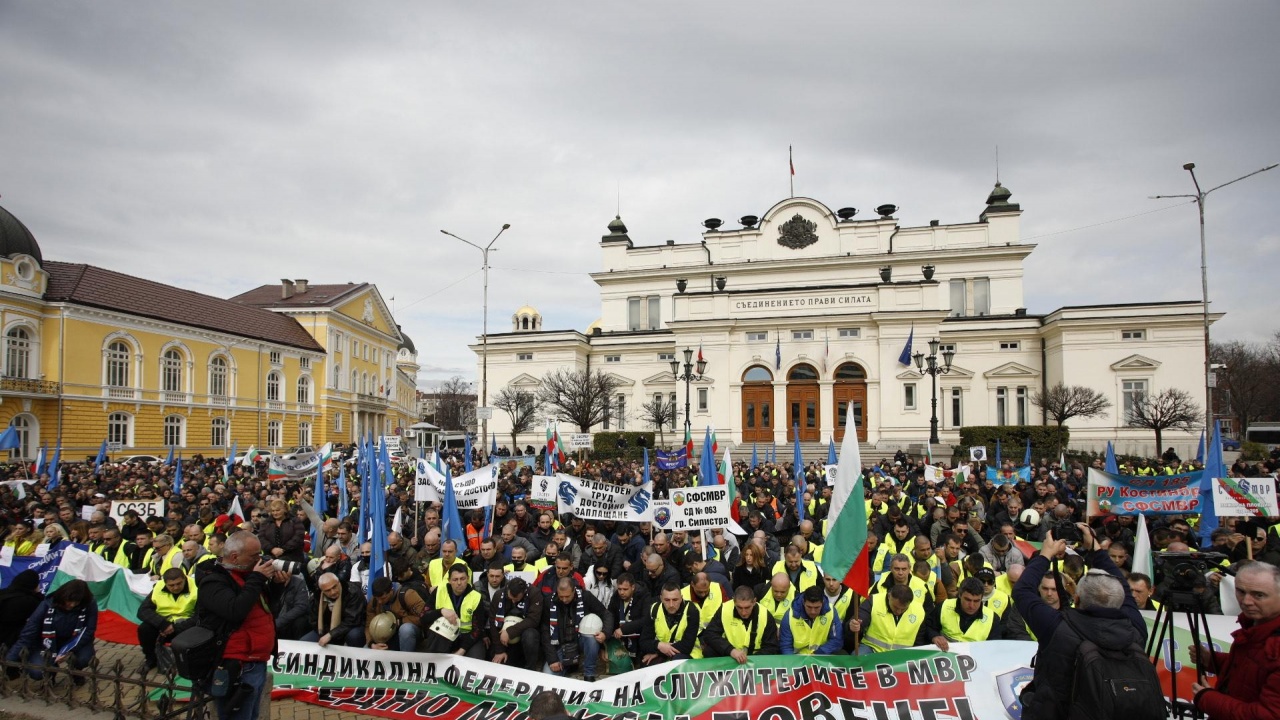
x=1002, y=406
x=304, y=433
x=275, y=357
x=910, y=396
x=120, y=428
x=944, y=347
x=219, y=432
x=1010, y=345
x=171, y=367
x=175, y=424
x=758, y=336
x=524, y=357
x=274, y=381
x=119, y=373
x=957, y=401
x=613, y=358
x=219, y=377
x=1021, y=403
x=304, y=393
x=17, y=353
x=981, y=296
x=666, y=356
x=849, y=332
x=1130, y=390
x=704, y=399
x=275, y=433
x=957, y=286
x=305, y=364
x=1133, y=335
x=635, y=306
x=801, y=335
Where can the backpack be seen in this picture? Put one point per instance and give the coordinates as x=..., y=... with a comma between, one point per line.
x=1111, y=684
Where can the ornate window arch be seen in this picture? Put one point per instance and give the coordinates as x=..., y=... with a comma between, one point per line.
x=273, y=386
x=757, y=373
x=28, y=427
x=304, y=392
x=18, y=345
x=172, y=365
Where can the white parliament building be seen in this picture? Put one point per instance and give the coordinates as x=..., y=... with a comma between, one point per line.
x=804, y=312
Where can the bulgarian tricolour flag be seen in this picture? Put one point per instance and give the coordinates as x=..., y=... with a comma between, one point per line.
x=251, y=456
x=845, y=556
x=118, y=592
x=325, y=454
x=688, y=444
x=726, y=479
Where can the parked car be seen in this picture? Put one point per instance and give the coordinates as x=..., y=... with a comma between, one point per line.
x=294, y=453
x=1229, y=444
x=141, y=460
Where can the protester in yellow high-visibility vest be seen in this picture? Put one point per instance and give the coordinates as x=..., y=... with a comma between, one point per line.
x=811, y=626
x=741, y=629
x=164, y=613
x=963, y=619
x=671, y=629
x=889, y=621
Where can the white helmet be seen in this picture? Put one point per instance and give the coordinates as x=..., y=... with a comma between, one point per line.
x=1029, y=517
x=590, y=625
x=509, y=621
x=445, y=629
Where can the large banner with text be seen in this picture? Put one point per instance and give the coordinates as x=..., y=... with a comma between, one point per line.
x=1143, y=494
x=596, y=500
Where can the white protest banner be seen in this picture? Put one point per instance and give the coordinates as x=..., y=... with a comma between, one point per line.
x=830, y=470
x=695, y=508
x=543, y=489
x=426, y=480
x=978, y=453
x=477, y=489
x=299, y=466
x=595, y=500
x=1245, y=497
x=578, y=441
x=144, y=508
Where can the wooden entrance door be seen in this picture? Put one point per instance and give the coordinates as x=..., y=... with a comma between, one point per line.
x=803, y=404
x=757, y=413
x=850, y=391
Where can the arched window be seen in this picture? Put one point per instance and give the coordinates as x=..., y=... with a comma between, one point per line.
x=118, y=364
x=218, y=377
x=355, y=381
x=218, y=433
x=851, y=371
x=524, y=323
x=802, y=373
x=273, y=387
x=364, y=383
x=118, y=426
x=304, y=433
x=374, y=387
x=757, y=373
x=174, y=431
x=26, y=427
x=337, y=376
x=171, y=371
x=304, y=392
x=17, y=353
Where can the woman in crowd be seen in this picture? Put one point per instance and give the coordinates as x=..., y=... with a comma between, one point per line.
x=754, y=569
x=54, y=536
x=22, y=539
x=281, y=535
x=61, y=628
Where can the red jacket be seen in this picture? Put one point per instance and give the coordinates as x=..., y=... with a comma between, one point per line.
x=1249, y=675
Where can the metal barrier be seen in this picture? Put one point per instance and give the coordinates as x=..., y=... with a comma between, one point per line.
x=111, y=689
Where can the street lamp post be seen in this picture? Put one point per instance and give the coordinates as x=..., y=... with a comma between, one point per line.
x=691, y=371
x=1200, y=197
x=928, y=365
x=484, y=336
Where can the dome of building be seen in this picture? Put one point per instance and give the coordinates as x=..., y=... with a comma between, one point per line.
x=593, y=327
x=525, y=319
x=406, y=343
x=16, y=239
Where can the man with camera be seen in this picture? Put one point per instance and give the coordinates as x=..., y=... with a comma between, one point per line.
x=235, y=600
x=1248, y=684
x=1105, y=614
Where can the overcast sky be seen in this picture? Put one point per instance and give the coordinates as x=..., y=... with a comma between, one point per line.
x=219, y=146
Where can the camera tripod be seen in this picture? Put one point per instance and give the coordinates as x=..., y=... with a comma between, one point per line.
x=1189, y=603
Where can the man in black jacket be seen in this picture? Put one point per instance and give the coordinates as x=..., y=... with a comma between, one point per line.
x=338, y=613
x=628, y=606
x=670, y=630
x=565, y=610
x=164, y=613
x=517, y=644
x=1107, y=614
x=741, y=629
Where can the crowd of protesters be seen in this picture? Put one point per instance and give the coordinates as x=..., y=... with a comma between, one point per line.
x=563, y=594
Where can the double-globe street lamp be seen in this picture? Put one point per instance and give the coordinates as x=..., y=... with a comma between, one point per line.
x=928, y=365
x=484, y=337
x=691, y=371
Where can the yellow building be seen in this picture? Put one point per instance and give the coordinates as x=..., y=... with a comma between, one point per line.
x=90, y=353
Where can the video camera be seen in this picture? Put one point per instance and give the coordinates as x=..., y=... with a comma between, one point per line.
x=1067, y=532
x=1186, y=570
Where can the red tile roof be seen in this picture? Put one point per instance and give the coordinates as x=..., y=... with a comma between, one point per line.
x=269, y=296
x=109, y=290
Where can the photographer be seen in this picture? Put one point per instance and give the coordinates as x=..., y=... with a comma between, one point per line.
x=1106, y=615
x=235, y=600
x=1248, y=684
x=1192, y=588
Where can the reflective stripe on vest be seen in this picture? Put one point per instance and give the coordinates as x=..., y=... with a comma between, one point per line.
x=999, y=602
x=774, y=607
x=886, y=633
x=978, y=631
x=663, y=632
x=707, y=610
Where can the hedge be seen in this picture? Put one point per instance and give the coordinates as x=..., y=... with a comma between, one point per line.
x=1045, y=439
x=606, y=443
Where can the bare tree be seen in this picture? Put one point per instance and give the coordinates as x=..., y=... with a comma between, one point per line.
x=522, y=407
x=1249, y=384
x=659, y=412
x=1063, y=402
x=456, y=405
x=1168, y=409
x=578, y=396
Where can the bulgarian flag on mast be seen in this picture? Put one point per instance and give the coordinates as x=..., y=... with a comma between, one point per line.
x=325, y=454
x=557, y=447
x=688, y=444
x=846, y=554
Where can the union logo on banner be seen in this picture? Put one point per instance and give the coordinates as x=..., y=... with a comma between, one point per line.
x=1010, y=685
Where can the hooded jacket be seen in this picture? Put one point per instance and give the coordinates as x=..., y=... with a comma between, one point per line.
x=1249, y=679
